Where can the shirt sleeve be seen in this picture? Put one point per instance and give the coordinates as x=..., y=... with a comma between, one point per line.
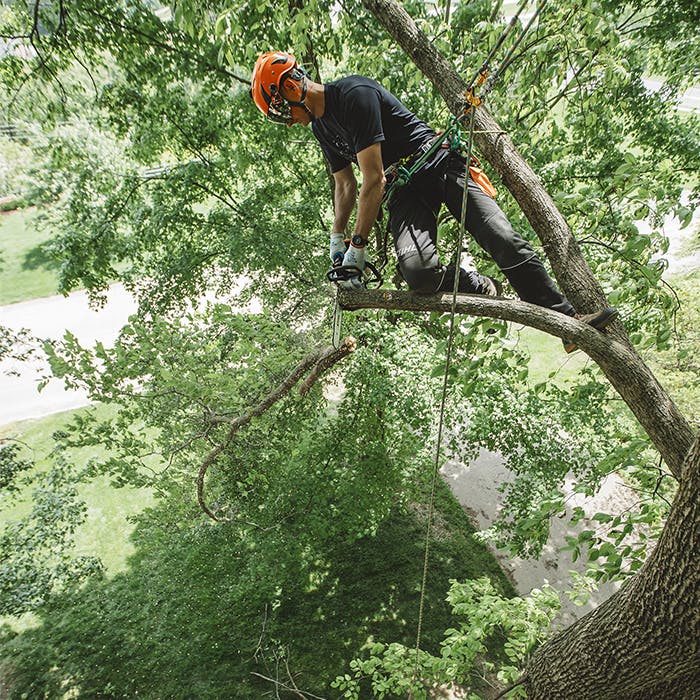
x=364, y=116
x=336, y=161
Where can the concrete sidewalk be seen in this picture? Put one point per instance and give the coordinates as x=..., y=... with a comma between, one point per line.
x=50, y=318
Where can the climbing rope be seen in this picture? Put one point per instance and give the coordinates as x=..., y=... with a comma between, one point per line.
x=472, y=102
x=445, y=379
x=505, y=63
x=401, y=173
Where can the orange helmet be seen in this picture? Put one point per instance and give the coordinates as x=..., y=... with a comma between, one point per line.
x=271, y=70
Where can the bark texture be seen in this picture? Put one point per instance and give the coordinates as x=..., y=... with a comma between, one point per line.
x=636, y=384
x=644, y=641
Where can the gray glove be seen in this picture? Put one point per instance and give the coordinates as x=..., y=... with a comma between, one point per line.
x=354, y=257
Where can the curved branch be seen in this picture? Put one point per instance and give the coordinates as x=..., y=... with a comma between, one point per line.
x=317, y=361
x=618, y=360
x=566, y=327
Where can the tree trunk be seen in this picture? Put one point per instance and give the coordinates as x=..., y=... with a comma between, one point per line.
x=644, y=641
x=653, y=408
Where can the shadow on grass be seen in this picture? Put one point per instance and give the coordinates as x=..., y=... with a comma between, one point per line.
x=199, y=611
x=39, y=258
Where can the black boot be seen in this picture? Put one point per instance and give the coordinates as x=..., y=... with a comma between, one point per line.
x=598, y=319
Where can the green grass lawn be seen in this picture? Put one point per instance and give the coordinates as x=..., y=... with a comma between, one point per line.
x=25, y=270
x=106, y=532
x=548, y=361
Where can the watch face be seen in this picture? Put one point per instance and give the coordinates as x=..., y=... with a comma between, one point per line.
x=359, y=242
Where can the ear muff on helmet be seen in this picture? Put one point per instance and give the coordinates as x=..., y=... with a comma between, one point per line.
x=294, y=84
x=273, y=72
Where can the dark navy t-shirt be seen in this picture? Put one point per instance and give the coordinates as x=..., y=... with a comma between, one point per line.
x=360, y=112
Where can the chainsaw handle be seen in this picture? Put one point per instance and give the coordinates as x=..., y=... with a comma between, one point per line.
x=343, y=273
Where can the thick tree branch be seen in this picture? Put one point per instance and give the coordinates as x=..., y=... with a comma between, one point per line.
x=665, y=424
x=317, y=362
x=618, y=360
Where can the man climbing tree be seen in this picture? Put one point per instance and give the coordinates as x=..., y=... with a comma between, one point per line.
x=356, y=120
x=235, y=199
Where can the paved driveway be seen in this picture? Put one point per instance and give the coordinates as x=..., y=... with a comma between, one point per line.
x=51, y=318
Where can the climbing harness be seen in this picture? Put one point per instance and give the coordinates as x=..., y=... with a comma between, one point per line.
x=399, y=174
x=472, y=103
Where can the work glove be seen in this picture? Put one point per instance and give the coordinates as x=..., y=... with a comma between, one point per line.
x=354, y=257
x=337, y=249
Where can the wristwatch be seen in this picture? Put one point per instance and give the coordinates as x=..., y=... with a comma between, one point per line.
x=358, y=241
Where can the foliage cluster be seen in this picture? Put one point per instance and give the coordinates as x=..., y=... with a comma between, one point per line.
x=13, y=160
x=483, y=614
x=36, y=557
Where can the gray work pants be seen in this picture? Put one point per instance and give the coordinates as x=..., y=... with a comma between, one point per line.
x=413, y=211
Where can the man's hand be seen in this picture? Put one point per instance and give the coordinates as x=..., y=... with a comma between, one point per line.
x=354, y=257
x=337, y=248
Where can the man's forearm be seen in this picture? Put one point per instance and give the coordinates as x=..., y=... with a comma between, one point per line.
x=368, y=204
x=344, y=202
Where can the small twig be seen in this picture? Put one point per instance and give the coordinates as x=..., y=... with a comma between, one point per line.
x=163, y=45
x=295, y=691
x=262, y=634
x=520, y=681
x=632, y=261
x=87, y=70
x=660, y=478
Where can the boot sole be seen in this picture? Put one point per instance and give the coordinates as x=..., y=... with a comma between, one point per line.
x=604, y=322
